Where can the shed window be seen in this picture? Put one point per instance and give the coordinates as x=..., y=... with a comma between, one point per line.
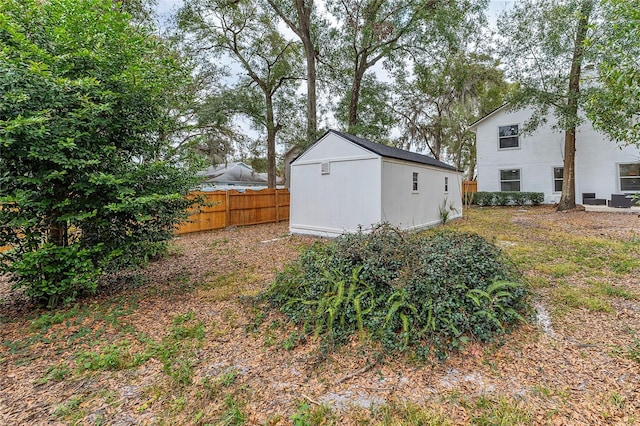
x=629, y=176
x=508, y=137
x=415, y=181
x=510, y=180
x=558, y=174
x=446, y=184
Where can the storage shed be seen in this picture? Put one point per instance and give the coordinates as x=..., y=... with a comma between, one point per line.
x=342, y=183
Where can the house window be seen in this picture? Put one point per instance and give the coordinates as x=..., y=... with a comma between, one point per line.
x=510, y=180
x=415, y=181
x=629, y=176
x=446, y=184
x=508, y=137
x=558, y=174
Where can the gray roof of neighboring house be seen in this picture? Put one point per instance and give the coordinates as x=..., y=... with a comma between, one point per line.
x=233, y=173
x=392, y=152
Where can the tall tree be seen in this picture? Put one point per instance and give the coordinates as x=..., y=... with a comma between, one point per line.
x=89, y=181
x=369, y=30
x=207, y=114
x=446, y=91
x=246, y=32
x=383, y=35
x=210, y=130
x=141, y=11
x=613, y=103
x=298, y=15
x=376, y=117
x=544, y=53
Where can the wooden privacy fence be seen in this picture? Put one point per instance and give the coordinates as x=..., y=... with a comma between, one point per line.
x=468, y=187
x=228, y=208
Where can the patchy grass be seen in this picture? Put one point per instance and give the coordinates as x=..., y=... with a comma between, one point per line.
x=408, y=413
x=567, y=298
x=117, y=356
x=55, y=373
x=234, y=413
x=179, y=344
x=70, y=410
x=613, y=290
x=562, y=262
x=481, y=410
x=307, y=415
x=499, y=411
x=228, y=287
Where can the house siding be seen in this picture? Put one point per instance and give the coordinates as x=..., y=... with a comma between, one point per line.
x=597, y=158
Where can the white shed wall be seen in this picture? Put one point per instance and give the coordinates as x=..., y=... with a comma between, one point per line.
x=347, y=197
x=408, y=209
x=331, y=148
x=597, y=158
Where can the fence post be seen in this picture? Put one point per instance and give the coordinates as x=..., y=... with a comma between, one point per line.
x=226, y=209
x=276, y=203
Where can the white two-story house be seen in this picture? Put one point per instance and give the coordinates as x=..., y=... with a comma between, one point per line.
x=507, y=160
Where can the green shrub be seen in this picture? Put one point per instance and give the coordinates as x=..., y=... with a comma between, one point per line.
x=87, y=159
x=536, y=198
x=484, y=198
x=56, y=274
x=519, y=198
x=502, y=198
x=508, y=198
x=429, y=292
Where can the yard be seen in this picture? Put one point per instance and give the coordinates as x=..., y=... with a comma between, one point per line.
x=185, y=342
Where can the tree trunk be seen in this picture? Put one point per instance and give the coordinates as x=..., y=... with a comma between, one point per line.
x=312, y=115
x=472, y=160
x=58, y=233
x=568, y=197
x=271, y=142
x=438, y=136
x=302, y=27
x=304, y=24
x=358, y=75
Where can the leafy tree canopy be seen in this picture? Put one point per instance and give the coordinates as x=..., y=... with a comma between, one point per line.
x=613, y=104
x=89, y=181
x=544, y=53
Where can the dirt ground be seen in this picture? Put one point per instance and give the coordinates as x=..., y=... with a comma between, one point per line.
x=569, y=366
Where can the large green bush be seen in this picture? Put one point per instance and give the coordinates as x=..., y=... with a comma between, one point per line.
x=429, y=292
x=89, y=180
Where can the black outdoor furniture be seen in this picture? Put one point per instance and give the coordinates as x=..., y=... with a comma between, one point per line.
x=621, y=201
x=589, y=198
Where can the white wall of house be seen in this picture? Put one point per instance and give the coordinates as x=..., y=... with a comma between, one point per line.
x=597, y=158
x=348, y=196
x=409, y=209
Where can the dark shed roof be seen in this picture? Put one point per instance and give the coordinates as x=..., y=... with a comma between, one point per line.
x=391, y=152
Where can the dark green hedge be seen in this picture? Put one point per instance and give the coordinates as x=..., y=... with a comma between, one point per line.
x=508, y=198
x=428, y=292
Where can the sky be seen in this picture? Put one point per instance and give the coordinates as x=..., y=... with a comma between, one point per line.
x=166, y=7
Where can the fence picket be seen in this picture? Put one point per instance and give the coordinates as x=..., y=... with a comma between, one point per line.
x=229, y=208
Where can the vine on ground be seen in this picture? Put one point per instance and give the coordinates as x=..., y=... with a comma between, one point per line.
x=429, y=292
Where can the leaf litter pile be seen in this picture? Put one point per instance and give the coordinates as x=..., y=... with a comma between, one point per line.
x=185, y=342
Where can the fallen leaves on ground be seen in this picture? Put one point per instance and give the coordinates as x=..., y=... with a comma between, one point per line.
x=258, y=368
